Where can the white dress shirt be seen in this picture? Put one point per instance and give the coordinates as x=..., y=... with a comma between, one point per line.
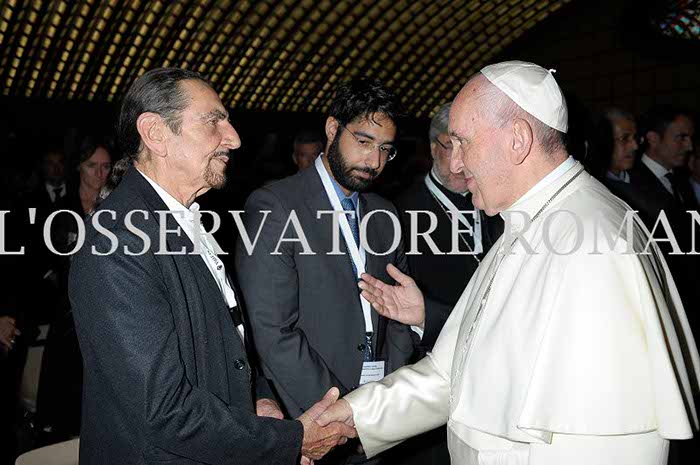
x=53, y=190
x=624, y=176
x=188, y=219
x=696, y=188
x=659, y=171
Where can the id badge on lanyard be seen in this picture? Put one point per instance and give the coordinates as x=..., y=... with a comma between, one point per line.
x=371, y=370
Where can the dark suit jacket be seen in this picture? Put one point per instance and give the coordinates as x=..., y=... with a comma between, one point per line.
x=304, y=310
x=442, y=277
x=52, y=297
x=166, y=375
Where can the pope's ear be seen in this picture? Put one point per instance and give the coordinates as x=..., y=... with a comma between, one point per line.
x=151, y=128
x=522, y=138
x=331, y=128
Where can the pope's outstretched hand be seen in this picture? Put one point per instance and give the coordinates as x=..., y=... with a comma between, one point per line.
x=403, y=302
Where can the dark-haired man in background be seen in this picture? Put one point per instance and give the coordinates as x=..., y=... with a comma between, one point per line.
x=310, y=327
x=308, y=144
x=657, y=184
x=167, y=377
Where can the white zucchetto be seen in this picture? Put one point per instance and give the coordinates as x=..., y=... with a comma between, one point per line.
x=533, y=89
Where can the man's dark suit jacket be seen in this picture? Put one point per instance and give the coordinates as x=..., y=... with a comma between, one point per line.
x=305, y=310
x=166, y=375
x=442, y=277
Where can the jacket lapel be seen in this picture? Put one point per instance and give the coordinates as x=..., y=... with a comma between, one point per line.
x=175, y=242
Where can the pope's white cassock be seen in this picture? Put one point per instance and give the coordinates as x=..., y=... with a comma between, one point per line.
x=585, y=358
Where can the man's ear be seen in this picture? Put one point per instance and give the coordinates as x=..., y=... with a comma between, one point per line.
x=652, y=138
x=521, y=141
x=153, y=134
x=331, y=128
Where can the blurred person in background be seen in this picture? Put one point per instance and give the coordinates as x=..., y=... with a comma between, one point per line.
x=60, y=388
x=615, y=146
x=308, y=144
x=694, y=169
x=658, y=184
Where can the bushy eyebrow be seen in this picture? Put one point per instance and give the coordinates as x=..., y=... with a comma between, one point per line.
x=215, y=114
x=372, y=138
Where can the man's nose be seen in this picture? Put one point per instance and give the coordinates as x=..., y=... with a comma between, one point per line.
x=231, y=139
x=374, y=158
x=456, y=164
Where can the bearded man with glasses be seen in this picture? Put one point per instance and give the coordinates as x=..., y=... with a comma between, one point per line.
x=311, y=329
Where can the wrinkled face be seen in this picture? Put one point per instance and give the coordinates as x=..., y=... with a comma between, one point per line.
x=479, y=152
x=95, y=170
x=355, y=157
x=200, y=151
x=441, y=151
x=625, y=145
x=673, y=148
x=305, y=154
x=54, y=167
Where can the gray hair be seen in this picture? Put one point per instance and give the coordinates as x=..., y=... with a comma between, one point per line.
x=504, y=110
x=440, y=121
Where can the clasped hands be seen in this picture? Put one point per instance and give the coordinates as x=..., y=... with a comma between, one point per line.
x=327, y=424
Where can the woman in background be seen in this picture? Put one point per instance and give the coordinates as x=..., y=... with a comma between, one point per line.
x=60, y=388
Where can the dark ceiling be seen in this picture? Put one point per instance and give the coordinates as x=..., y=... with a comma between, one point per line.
x=261, y=55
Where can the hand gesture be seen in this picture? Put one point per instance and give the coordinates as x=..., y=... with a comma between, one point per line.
x=402, y=302
x=319, y=440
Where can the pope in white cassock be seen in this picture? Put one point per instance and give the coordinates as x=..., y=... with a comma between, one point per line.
x=568, y=346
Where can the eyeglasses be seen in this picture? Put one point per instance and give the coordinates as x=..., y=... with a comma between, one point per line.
x=447, y=147
x=368, y=146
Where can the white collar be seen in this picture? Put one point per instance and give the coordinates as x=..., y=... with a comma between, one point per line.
x=53, y=188
x=531, y=202
x=171, y=202
x=555, y=174
x=659, y=170
x=624, y=176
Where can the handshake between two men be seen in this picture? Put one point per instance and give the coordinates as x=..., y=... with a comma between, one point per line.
x=327, y=424
x=330, y=421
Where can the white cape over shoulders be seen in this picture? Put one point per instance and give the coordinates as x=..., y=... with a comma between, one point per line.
x=593, y=342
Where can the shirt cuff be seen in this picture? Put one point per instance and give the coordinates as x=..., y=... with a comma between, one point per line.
x=418, y=331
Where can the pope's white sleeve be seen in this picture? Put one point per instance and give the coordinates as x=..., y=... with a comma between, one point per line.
x=413, y=399
x=410, y=401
